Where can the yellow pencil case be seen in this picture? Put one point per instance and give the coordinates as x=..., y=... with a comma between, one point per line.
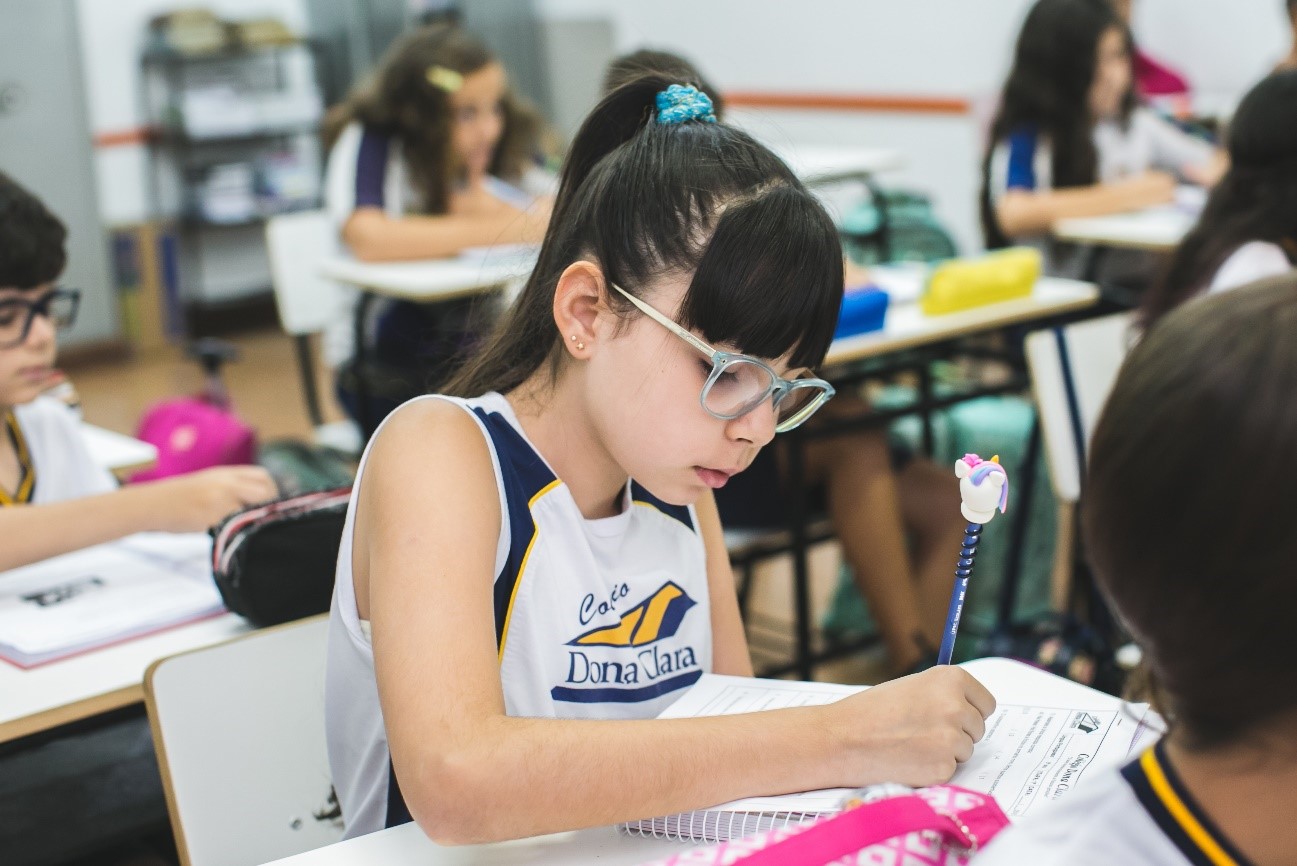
x=962, y=284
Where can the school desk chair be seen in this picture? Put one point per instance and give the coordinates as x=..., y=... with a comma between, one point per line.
x=239, y=734
x=307, y=302
x=1073, y=369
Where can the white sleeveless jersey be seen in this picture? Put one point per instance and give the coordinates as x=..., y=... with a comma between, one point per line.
x=594, y=619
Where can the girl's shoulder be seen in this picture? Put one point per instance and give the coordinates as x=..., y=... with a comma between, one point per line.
x=1252, y=261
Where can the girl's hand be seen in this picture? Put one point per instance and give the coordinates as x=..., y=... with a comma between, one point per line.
x=915, y=730
x=195, y=502
x=1146, y=190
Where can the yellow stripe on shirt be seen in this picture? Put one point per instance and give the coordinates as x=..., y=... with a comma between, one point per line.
x=1181, y=813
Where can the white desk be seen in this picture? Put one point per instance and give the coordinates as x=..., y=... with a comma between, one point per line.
x=1009, y=681
x=906, y=327
x=818, y=164
x=432, y=279
x=1155, y=230
x=117, y=452
x=97, y=681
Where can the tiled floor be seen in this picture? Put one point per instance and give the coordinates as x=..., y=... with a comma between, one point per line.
x=263, y=382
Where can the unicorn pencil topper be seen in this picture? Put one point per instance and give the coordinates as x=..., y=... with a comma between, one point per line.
x=983, y=485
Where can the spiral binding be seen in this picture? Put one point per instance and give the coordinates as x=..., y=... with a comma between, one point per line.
x=715, y=825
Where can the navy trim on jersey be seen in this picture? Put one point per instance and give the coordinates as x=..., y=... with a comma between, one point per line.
x=1022, y=160
x=371, y=169
x=679, y=512
x=1159, y=808
x=397, y=812
x=624, y=696
x=523, y=474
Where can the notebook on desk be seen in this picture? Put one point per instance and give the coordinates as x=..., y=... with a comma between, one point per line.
x=105, y=594
x=1030, y=754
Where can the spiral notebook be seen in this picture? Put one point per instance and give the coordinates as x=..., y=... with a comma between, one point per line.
x=1046, y=735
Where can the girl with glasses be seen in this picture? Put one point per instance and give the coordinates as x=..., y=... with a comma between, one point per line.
x=532, y=567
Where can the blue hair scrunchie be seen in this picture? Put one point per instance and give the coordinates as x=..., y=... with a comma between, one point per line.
x=681, y=102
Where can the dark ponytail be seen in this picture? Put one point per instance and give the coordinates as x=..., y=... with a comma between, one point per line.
x=643, y=199
x=1256, y=200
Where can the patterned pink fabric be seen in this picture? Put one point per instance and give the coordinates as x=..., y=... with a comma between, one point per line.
x=932, y=827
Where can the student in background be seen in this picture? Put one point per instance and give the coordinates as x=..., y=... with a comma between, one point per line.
x=1248, y=229
x=74, y=792
x=533, y=569
x=1188, y=524
x=53, y=497
x=1069, y=139
x=431, y=155
x=890, y=509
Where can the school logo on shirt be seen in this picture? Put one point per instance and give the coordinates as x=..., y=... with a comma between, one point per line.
x=625, y=662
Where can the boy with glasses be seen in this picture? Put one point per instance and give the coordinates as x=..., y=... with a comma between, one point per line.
x=53, y=497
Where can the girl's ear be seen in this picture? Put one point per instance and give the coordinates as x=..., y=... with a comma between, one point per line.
x=577, y=303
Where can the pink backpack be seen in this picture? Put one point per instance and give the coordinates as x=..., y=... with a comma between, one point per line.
x=199, y=432
x=939, y=826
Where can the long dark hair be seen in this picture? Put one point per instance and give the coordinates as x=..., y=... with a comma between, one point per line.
x=1048, y=92
x=642, y=199
x=398, y=100
x=1189, y=508
x=1256, y=200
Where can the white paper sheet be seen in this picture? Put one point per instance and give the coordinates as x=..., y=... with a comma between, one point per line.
x=1029, y=755
x=105, y=593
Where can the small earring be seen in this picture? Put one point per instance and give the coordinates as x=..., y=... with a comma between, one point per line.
x=579, y=346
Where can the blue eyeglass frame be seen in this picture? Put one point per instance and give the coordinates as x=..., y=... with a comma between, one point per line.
x=779, y=386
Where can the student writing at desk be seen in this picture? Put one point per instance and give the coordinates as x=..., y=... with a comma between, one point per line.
x=885, y=502
x=1188, y=523
x=1070, y=140
x=432, y=154
x=532, y=566
x=56, y=795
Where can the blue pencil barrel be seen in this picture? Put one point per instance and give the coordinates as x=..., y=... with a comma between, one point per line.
x=963, y=570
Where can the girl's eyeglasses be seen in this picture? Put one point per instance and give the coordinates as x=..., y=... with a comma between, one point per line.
x=17, y=314
x=740, y=383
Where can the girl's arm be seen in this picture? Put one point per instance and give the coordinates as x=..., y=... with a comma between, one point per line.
x=426, y=528
x=1028, y=212
x=729, y=642
x=373, y=236
x=190, y=503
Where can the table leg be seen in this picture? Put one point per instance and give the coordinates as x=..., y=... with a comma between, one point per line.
x=801, y=567
x=360, y=362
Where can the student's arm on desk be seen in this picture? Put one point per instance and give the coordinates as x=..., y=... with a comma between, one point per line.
x=190, y=503
x=426, y=528
x=1027, y=212
x=373, y=236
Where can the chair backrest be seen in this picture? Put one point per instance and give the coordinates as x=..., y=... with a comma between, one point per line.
x=296, y=244
x=1073, y=369
x=239, y=732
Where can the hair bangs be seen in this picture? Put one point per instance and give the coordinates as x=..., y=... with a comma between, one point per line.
x=773, y=278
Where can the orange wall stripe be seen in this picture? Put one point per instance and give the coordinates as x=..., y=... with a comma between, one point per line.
x=849, y=102
x=115, y=138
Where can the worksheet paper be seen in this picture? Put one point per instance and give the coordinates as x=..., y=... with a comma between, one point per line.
x=1030, y=754
x=104, y=594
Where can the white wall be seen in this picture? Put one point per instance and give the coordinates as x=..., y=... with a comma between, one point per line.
x=946, y=48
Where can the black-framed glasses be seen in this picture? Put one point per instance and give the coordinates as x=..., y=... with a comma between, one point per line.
x=17, y=314
x=740, y=383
